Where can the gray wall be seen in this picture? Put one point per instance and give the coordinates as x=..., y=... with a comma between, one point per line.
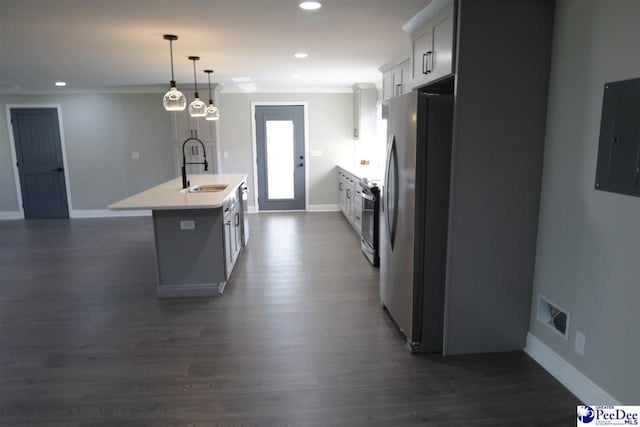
x=101, y=131
x=587, y=258
x=330, y=129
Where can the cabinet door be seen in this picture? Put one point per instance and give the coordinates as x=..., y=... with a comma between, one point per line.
x=349, y=198
x=396, y=79
x=405, y=72
x=432, y=48
x=238, y=233
x=357, y=211
x=441, y=63
x=421, y=49
x=356, y=113
x=387, y=85
x=228, y=256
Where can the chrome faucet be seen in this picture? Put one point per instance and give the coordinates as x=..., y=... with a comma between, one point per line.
x=194, y=137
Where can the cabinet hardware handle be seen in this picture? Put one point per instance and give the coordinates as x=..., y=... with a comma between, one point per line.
x=429, y=58
x=237, y=219
x=57, y=170
x=424, y=64
x=355, y=133
x=301, y=164
x=340, y=186
x=348, y=193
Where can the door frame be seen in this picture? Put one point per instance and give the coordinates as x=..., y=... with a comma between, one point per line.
x=254, y=153
x=14, y=156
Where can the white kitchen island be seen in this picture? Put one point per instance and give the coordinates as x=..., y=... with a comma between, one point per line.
x=199, y=232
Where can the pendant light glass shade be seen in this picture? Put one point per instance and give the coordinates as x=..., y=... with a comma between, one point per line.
x=212, y=110
x=173, y=100
x=197, y=108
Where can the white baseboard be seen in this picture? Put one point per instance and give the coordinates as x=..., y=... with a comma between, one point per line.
x=7, y=215
x=324, y=208
x=585, y=389
x=105, y=213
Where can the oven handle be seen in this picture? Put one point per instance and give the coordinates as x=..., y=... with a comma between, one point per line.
x=368, y=196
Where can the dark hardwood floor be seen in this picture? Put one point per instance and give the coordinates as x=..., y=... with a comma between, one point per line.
x=297, y=339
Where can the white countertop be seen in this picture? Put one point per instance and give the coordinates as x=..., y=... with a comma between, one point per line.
x=169, y=195
x=361, y=172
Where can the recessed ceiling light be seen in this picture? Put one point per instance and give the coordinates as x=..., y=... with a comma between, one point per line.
x=300, y=55
x=310, y=5
x=61, y=84
x=241, y=79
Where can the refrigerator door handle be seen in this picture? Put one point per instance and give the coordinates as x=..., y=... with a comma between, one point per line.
x=391, y=196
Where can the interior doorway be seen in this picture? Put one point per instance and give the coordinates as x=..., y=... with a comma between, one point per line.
x=281, y=156
x=39, y=159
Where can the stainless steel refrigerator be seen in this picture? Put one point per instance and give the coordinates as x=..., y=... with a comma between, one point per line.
x=414, y=216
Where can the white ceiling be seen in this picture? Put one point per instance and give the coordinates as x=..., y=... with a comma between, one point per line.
x=118, y=44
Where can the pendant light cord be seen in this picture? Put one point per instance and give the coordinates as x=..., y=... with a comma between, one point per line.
x=210, y=97
x=195, y=83
x=171, y=54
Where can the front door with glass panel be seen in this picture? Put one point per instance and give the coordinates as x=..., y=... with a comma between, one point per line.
x=281, y=162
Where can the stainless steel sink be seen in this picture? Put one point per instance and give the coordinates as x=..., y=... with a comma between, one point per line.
x=207, y=188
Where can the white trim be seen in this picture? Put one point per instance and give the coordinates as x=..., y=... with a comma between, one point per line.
x=14, y=157
x=585, y=389
x=251, y=209
x=324, y=208
x=106, y=213
x=7, y=215
x=305, y=107
x=424, y=15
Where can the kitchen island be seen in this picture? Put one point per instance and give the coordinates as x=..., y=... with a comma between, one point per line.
x=199, y=232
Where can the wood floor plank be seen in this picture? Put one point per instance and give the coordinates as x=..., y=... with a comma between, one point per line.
x=297, y=339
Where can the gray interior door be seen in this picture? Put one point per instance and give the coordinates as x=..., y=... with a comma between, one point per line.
x=39, y=154
x=281, y=162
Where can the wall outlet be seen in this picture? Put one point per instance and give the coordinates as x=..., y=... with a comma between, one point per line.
x=580, y=342
x=135, y=155
x=187, y=224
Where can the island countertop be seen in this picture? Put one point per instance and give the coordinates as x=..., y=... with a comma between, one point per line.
x=169, y=195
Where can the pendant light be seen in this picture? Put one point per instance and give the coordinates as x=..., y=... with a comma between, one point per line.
x=212, y=110
x=197, y=108
x=173, y=100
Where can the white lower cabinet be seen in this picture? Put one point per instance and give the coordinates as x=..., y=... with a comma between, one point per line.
x=350, y=198
x=232, y=233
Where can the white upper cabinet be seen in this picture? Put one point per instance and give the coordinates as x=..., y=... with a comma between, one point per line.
x=396, y=79
x=432, y=42
x=365, y=97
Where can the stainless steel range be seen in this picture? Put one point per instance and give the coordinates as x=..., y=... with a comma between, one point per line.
x=370, y=228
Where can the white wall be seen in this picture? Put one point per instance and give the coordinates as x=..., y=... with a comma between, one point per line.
x=101, y=131
x=588, y=257
x=330, y=130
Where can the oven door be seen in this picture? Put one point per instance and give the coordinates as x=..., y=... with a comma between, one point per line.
x=368, y=218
